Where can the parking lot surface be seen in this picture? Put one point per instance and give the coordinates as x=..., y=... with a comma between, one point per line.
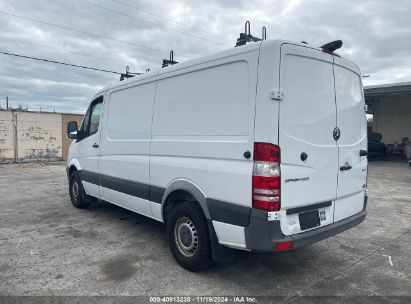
x=48, y=247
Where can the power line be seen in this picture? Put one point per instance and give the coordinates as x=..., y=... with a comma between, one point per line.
x=62, y=50
x=63, y=63
x=41, y=95
x=84, y=32
x=167, y=19
x=149, y=22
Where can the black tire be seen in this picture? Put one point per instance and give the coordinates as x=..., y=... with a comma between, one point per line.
x=78, y=196
x=186, y=222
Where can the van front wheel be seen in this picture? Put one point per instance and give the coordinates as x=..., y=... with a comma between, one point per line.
x=77, y=194
x=188, y=237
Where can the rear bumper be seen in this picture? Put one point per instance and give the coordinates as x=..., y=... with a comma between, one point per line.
x=262, y=235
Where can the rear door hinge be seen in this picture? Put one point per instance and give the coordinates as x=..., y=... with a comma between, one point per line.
x=276, y=95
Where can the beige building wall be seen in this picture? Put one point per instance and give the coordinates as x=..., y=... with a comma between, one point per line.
x=67, y=141
x=392, y=118
x=26, y=136
x=6, y=136
x=39, y=136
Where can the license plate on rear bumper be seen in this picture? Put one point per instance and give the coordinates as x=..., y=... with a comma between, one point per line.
x=309, y=219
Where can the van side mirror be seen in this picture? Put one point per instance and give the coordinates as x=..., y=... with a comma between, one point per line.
x=72, y=129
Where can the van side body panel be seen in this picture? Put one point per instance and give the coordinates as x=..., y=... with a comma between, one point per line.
x=203, y=124
x=125, y=145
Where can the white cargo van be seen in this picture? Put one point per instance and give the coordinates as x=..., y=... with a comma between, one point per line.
x=261, y=148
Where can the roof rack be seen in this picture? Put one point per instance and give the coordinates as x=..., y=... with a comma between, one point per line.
x=128, y=74
x=247, y=37
x=171, y=61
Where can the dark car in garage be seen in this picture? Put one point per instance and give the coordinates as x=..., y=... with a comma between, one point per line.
x=376, y=149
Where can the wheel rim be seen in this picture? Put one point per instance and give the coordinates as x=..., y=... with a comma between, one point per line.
x=185, y=235
x=75, y=190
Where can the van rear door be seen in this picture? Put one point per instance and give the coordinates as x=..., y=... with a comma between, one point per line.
x=351, y=122
x=307, y=119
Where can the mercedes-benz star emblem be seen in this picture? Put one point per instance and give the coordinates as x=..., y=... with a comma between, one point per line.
x=336, y=133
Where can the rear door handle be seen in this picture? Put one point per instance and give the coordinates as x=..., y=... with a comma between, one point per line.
x=363, y=152
x=345, y=168
x=95, y=145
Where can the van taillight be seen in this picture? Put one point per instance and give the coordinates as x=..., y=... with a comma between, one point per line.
x=266, y=177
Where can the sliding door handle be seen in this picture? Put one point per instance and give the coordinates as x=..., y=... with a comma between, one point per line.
x=95, y=145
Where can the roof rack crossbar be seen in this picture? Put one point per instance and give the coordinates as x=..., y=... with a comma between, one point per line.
x=247, y=37
x=128, y=74
x=167, y=62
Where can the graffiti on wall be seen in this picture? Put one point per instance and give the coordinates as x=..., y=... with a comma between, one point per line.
x=40, y=144
x=3, y=133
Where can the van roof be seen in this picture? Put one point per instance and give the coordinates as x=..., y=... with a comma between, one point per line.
x=249, y=47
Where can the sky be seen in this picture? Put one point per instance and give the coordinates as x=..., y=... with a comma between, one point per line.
x=113, y=34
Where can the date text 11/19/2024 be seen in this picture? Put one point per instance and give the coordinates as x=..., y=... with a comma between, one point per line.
x=204, y=299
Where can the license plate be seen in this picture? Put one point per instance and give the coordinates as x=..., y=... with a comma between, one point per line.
x=309, y=219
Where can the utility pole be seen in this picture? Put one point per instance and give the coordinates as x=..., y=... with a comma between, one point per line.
x=7, y=102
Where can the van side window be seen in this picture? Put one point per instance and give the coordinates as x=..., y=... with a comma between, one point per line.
x=92, y=118
x=85, y=125
x=95, y=117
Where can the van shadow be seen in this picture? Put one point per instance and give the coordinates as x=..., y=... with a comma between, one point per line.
x=109, y=212
x=282, y=268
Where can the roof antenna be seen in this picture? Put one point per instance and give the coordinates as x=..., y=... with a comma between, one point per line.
x=264, y=33
x=169, y=62
x=247, y=37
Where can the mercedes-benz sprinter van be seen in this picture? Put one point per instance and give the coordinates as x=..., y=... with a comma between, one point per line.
x=261, y=148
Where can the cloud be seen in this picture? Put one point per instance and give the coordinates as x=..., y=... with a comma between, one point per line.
x=376, y=36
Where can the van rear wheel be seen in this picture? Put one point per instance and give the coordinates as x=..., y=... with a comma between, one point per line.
x=77, y=194
x=188, y=237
